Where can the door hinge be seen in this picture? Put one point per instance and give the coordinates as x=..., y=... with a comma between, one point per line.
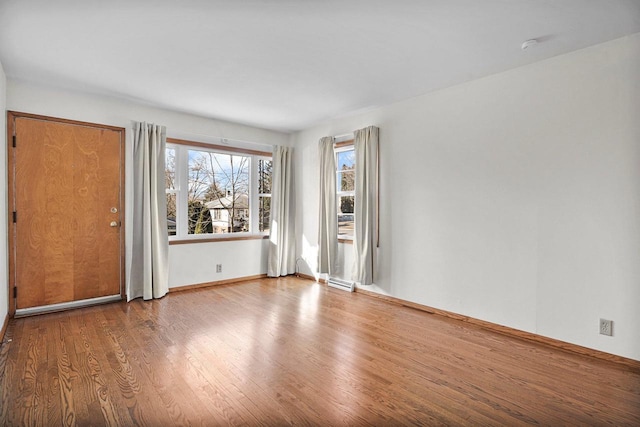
x=14, y=141
x=15, y=292
x=15, y=217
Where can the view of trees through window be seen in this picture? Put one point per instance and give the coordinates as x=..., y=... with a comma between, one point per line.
x=218, y=189
x=265, y=169
x=218, y=183
x=170, y=178
x=345, y=182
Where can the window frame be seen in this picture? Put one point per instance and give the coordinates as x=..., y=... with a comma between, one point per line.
x=340, y=147
x=181, y=180
x=174, y=189
x=261, y=195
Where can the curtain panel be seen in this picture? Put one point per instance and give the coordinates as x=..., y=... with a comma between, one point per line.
x=281, y=260
x=328, y=221
x=366, y=204
x=149, y=275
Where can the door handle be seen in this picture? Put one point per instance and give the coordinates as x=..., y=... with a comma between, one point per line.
x=114, y=224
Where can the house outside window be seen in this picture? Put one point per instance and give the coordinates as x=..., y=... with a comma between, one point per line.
x=215, y=190
x=230, y=213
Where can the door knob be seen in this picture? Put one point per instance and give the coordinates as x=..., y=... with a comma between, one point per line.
x=114, y=210
x=114, y=223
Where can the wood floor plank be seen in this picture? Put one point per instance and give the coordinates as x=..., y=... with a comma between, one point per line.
x=54, y=411
x=103, y=401
x=133, y=383
x=160, y=374
x=288, y=351
x=357, y=383
x=30, y=390
x=66, y=376
x=159, y=334
x=112, y=404
x=12, y=372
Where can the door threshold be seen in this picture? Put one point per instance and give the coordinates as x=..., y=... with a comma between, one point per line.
x=31, y=311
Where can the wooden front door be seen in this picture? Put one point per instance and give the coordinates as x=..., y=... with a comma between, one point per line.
x=65, y=189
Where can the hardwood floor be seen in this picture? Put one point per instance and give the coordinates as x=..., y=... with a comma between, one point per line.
x=290, y=351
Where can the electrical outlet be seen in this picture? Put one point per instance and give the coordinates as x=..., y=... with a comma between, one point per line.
x=606, y=327
x=218, y=268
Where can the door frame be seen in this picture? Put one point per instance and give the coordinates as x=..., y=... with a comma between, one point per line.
x=11, y=231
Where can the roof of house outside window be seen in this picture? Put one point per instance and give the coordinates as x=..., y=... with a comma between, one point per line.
x=241, y=202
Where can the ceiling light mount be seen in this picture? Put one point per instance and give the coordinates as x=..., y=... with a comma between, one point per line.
x=528, y=43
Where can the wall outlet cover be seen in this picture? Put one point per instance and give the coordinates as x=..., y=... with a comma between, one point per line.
x=606, y=327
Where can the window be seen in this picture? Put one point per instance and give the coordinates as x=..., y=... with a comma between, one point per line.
x=265, y=167
x=215, y=190
x=345, y=191
x=170, y=183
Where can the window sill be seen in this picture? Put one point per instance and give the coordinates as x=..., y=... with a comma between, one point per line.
x=219, y=239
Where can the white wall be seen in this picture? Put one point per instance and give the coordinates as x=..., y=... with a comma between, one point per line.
x=513, y=199
x=188, y=263
x=4, y=278
x=239, y=258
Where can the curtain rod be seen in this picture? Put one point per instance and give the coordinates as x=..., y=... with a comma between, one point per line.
x=344, y=135
x=181, y=134
x=222, y=139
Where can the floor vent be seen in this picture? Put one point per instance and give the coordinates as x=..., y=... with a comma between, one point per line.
x=345, y=285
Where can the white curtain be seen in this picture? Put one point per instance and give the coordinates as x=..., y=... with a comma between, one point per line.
x=281, y=259
x=150, y=249
x=328, y=227
x=365, y=210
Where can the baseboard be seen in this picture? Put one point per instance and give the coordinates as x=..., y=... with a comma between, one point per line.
x=4, y=327
x=217, y=283
x=574, y=348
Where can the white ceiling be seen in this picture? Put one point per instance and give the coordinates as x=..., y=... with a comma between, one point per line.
x=289, y=64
